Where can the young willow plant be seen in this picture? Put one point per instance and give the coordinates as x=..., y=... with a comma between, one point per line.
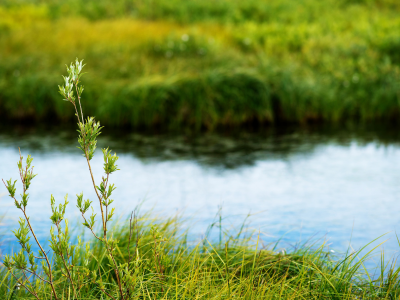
x=67, y=264
x=64, y=263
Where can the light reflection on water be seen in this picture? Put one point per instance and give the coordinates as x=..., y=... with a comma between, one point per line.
x=333, y=184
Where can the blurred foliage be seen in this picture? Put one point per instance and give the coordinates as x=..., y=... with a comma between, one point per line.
x=203, y=63
x=189, y=11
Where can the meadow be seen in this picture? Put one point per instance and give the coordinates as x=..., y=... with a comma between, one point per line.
x=202, y=65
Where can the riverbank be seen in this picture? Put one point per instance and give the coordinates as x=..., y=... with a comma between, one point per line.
x=204, y=66
x=236, y=265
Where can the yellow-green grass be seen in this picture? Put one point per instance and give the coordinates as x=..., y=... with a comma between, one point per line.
x=204, y=65
x=239, y=266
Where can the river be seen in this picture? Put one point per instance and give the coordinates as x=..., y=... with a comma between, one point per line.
x=300, y=185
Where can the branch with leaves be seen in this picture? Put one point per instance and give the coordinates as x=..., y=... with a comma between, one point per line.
x=18, y=260
x=65, y=257
x=89, y=130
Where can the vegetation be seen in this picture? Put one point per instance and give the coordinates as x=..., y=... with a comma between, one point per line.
x=204, y=64
x=171, y=267
x=147, y=258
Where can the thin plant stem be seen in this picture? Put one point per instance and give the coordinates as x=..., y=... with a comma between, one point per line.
x=50, y=275
x=25, y=287
x=79, y=100
x=65, y=264
x=102, y=211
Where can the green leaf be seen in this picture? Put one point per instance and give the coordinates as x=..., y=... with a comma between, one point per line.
x=11, y=187
x=24, y=201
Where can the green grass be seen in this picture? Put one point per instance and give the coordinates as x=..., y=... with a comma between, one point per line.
x=204, y=64
x=237, y=267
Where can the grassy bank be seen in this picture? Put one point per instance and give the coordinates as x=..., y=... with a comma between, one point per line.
x=239, y=266
x=204, y=64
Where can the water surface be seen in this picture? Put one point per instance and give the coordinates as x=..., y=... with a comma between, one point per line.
x=300, y=183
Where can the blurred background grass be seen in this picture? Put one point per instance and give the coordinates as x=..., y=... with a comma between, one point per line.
x=203, y=64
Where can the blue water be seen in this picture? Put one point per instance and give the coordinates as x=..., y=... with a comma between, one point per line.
x=338, y=186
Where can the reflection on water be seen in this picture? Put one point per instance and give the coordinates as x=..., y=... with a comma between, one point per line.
x=302, y=183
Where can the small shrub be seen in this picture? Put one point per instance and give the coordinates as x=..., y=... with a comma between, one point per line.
x=68, y=262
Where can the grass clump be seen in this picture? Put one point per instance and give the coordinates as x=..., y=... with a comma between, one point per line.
x=152, y=258
x=164, y=264
x=309, y=61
